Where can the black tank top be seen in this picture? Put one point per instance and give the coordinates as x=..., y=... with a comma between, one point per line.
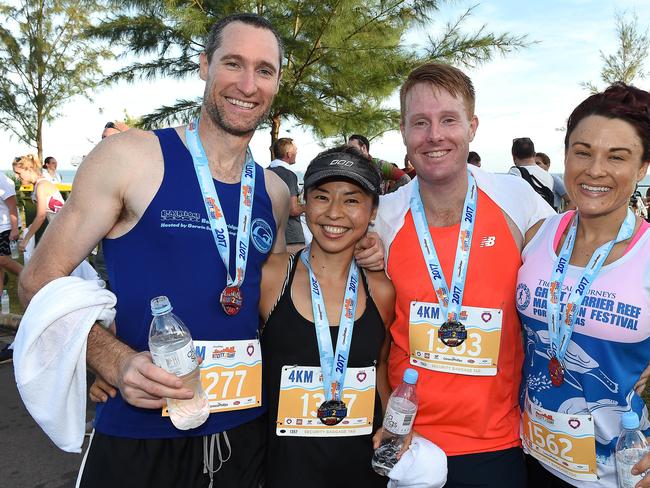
x=326, y=462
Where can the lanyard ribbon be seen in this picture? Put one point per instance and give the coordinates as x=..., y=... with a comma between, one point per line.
x=561, y=323
x=333, y=365
x=450, y=309
x=214, y=209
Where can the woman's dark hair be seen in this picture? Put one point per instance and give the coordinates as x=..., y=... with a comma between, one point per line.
x=619, y=101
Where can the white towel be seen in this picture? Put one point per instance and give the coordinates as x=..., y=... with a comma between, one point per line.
x=424, y=465
x=50, y=355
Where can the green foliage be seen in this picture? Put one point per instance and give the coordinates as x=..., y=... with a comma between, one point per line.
x=45, y=60
x=627, y=64
x=343, y=58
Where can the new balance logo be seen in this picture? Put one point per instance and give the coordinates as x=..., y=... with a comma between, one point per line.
x=488, y=241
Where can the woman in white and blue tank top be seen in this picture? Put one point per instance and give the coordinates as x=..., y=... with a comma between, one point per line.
x=583, y=295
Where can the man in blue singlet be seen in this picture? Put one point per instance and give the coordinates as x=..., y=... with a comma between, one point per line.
x=160, y=226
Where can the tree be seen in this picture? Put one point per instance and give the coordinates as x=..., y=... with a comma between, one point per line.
x=44, y=61
x=627, y=64
x=344, y=58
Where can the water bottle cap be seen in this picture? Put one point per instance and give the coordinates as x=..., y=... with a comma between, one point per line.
x=410, y=376
x=630, y=420
x=160, y=305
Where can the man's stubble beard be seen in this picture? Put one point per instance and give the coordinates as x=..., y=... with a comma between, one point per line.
x=217, y=118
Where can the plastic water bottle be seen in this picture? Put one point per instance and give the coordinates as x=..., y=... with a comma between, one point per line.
x=5, y=302
x=13, y=246
x=630, y=448
x=398, y=422
x=172, y=349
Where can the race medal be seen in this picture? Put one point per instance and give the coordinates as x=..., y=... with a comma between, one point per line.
x=332, y=412
x=556, y=371
x=452, y=333
x=231, y=300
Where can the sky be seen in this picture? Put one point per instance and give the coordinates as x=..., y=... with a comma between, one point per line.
x=529, y=93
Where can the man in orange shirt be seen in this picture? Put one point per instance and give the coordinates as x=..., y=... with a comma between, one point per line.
x=454, y=237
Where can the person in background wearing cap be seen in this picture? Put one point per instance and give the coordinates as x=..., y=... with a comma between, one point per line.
x=453, y=238
x=332, y=447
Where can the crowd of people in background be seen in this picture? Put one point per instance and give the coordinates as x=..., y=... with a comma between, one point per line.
x=477, y=262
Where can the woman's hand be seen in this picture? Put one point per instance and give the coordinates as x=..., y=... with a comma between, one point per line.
x=641, y=467
x=100, y=390
x=22, y=244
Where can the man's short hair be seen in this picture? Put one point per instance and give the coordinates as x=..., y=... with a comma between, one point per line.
x=473, y=158
x=281, y=147
x=216, y=32
x=545, y=159
x=523, y=148
x=443, y=77
x=362, y=139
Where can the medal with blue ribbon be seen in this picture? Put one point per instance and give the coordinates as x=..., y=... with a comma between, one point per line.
x=231, y=298
x=561, y=321
x=333, y=363
x=452, y=333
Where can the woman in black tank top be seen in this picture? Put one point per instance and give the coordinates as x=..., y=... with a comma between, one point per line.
x=341, y=191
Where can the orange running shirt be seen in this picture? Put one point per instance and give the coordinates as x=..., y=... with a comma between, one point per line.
x=462, y=414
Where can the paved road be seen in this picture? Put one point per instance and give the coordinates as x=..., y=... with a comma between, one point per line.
x=28, y=458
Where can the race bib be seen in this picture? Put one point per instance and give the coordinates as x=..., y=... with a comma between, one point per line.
x=561, y=441
x=301, y=393
x=231, y=374
x=476, y=356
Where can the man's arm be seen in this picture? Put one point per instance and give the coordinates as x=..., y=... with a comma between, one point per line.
x=107, y=192
x=295, y=209
x=279, y=195
x=13, y=217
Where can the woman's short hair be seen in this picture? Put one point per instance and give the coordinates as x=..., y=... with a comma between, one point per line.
x=619, y=101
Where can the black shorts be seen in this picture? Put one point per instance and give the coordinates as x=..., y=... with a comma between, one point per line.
x=5, y=250
x=498, y=469
x=540, y=477
x=119, y=462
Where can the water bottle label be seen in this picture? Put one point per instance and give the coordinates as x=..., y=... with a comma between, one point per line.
x=179, y=362
x=398, y=423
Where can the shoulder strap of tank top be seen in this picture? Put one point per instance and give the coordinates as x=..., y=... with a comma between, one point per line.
x=286, y=286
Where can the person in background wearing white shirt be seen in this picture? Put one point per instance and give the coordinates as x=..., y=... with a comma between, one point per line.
x=523, y=154
x=561, y=201
x=8, y=232
x=49, y=170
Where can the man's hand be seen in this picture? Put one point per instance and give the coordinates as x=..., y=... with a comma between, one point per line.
x=641, y=467
x=100, y=390
x=145, y=385
x=369, y=252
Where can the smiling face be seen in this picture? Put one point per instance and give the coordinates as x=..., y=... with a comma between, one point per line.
x=241, y=79
x=603, y=164
x=437, y=130
x=338, y=213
